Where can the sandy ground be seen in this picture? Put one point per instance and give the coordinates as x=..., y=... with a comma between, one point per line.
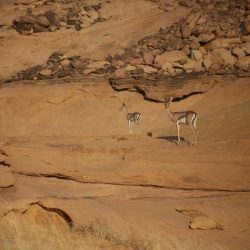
x=68, y=144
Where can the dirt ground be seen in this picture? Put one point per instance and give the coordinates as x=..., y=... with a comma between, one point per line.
x=68, y=147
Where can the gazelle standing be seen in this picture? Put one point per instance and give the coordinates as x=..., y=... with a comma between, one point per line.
x=131, y=117
x=183, y=117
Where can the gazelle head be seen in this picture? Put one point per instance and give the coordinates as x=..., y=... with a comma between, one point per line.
x=168, y=100
x=123, y=106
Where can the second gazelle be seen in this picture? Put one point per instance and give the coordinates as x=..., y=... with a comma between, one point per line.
x=183, y=117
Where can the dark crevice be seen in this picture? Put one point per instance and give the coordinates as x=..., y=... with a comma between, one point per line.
x=4, y=163
x=8, y=186
x=60, y=176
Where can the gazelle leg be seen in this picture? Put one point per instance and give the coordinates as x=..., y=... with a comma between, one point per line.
x=178, y=131
x=196, y=135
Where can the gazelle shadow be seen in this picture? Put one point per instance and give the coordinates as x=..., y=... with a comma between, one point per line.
x=171, y=138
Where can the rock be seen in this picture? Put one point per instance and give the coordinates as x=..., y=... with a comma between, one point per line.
x=168, y=5
x=207, y=61
x=203, y=51
x=24, y=2
x=237, y=51
x=246, y=48
x=244, y=63
x=46, y=72
x=121, y=73
x=93, y=14
x=245, y=38
x=29, y=73
x=170, y=57
x=204, y=223
x=42, y=215
x=223, y=43
x=223, y=57
x=97, y=65
x=148, y=69
x=189, y=24
x=168, y=67
x=137, y=61
x=187, y=3
x=196, y=55
x=204, y=37
x=148, y=57
x=130, y=68
x=245, y=27
x=53, y=18
x=65, y=62
x=130, y=52
x=193, y=66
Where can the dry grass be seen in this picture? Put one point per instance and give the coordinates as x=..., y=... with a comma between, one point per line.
x=18, y=234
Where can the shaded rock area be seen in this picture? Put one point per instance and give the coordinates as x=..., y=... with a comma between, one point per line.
x=67, y=15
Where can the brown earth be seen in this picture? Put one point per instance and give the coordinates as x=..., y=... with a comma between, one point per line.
x=67, y=157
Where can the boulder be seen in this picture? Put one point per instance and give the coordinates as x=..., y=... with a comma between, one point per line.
x=121, y=73
x=170, y=57
x=223, y=57
x=239, y=52
x=168, y=5
x=148, y=69
x=95, y=65
x=53, y=18
x=245, y=38
x=207, y=61
x=136, y=61
x=168, y=68
x=189, y=24
x=203, y=223
x=187, y=3
x=246, y=48
x=148, y=57
x=223, y=43
x=193, y=66
x=65, y=62
x=46, y=72
x=196, y=55
x=130, y=68
x=204, y=37
x=243, y=63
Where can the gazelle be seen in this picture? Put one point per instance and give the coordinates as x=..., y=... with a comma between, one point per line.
x=131, y=117
x=183, y=117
